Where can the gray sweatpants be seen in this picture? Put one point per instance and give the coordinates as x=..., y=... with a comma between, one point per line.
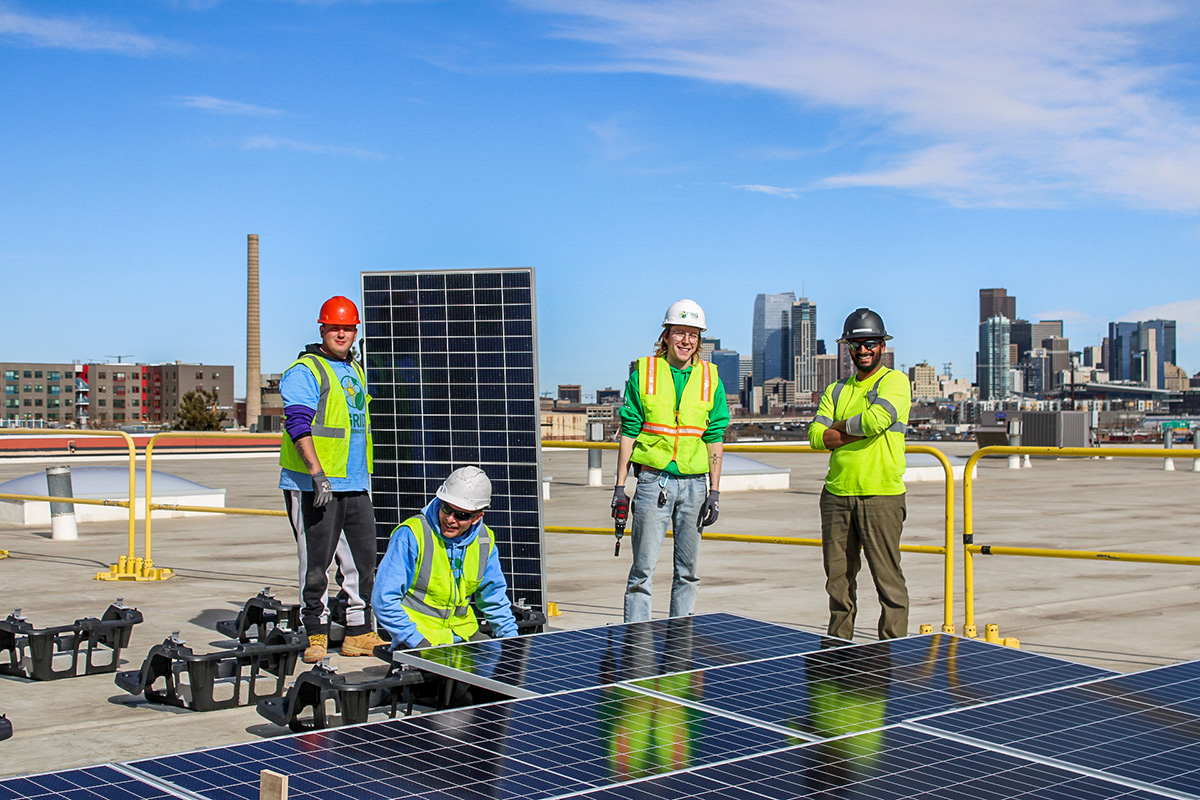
x=342, y=531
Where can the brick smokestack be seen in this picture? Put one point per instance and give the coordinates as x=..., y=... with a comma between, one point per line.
x=253, y=341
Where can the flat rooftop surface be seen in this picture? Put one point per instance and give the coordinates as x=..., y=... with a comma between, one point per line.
x=1118, y=615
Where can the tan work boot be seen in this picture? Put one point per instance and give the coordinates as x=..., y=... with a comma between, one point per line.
x=316, y=650
x=362, y=645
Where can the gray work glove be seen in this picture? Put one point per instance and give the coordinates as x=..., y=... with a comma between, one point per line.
x=710, y=510
x=322, y=490
x=620, y=503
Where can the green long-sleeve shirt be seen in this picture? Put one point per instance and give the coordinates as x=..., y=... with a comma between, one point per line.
x=875, y=464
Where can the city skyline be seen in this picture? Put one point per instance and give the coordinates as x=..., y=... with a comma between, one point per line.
x=633, y=154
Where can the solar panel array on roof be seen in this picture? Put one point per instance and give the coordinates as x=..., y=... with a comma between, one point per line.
x=451, y=362
x=933, y=716
x=531, y=665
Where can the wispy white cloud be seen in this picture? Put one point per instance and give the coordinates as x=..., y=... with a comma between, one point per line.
x=1030, y=102
x=276, y=143
x=79, y=33
x=773, y=190
x=1186, y=314
x=231, y=107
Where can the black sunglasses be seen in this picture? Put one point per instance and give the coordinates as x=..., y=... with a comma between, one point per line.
x=461, y=516
x=869, y=344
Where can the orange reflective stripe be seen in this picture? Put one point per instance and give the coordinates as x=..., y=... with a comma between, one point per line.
x=706, y=385
x=684, y=430
x=652, y=376
x=665, y=430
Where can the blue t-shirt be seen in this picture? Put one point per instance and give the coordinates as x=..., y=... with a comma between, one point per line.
x=299, y=387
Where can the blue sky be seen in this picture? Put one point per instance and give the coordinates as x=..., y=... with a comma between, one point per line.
x=900, y=155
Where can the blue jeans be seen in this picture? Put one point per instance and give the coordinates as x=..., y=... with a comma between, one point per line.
x=684, y=497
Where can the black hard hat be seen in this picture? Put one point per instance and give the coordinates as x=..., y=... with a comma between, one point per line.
x=863, y=323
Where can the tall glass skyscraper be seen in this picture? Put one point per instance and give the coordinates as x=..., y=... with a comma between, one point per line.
x=992, y=362
x=771, y=342
x=1131, y=344
x=804, y=346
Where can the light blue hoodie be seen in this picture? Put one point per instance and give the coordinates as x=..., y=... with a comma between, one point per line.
x=396, y=573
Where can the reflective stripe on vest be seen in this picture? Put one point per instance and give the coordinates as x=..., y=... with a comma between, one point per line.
x=415, y=598
x=872, y=398
x=319, y=428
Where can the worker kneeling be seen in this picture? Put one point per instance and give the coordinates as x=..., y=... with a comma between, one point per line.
x=437, y=563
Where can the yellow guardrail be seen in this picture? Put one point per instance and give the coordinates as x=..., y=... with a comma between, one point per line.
x=152, y=506
x=946, y=550
x=970, y=549
x=130, y=503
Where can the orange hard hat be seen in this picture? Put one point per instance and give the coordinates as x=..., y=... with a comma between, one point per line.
x=338, y=311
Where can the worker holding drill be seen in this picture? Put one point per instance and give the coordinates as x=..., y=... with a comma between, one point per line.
x=672, y=424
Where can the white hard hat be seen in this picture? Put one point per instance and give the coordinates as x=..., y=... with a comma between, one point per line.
x=685, y=312
x=467, y=488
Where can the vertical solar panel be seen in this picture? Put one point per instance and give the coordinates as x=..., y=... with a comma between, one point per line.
x=451, y=362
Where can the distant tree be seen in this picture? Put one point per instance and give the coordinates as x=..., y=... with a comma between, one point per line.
x=198, y=412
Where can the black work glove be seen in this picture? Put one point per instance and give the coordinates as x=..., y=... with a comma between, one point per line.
x=322, y=490
x=620, y=503
x=710, y=510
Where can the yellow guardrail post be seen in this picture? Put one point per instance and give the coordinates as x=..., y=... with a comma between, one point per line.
x=130, y=503
x=149, y=572
x=946, y=550
x=970, y=548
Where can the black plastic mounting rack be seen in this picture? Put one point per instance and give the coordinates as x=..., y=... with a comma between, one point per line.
x=5, y=728
x=261, y=614
x=304, y=706
x=89, y=646
x=529, y=619
x=238, y=673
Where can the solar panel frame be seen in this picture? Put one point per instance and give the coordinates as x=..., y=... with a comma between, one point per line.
x=557, y=661
x=452, y=368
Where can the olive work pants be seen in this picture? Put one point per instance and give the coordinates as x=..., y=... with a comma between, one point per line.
x=851, y=526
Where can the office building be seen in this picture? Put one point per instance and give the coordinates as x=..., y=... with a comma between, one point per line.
x=826, y=366
x=804, y=345
x=997, y=303
x=924, y=380
x=771, y=340
x=1136, y=354
x=570, y=393
x=44, y=392
x=608, y=396
x=1058, y=355
x=728, y=364
x=991, y=361
x=707, y=346
x=1093, y=356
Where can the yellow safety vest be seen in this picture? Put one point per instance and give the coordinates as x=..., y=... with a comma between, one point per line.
x=437, y=604
x=672, y=430
x=331, y=423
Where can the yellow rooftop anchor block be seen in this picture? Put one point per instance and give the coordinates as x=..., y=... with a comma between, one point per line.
x=991, y=633
x=551, y=609
x=135, y=569
x=926, y=629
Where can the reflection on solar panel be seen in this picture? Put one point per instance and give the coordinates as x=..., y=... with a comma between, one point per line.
x=552, y=662
x=895, y=763
x=837, y=691
x=1142, y=727
x=90, y=783
x=452, y=369
x=539, y=747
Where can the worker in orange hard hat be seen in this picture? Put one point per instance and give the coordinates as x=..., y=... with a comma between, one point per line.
x=326, y=460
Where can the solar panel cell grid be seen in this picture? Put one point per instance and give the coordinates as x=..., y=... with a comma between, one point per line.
x=90, y=783
x=1141, y=727
x=451, y=366
x=533, y=748
x=591, y=657
x=888, y=765
x=836, y=691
